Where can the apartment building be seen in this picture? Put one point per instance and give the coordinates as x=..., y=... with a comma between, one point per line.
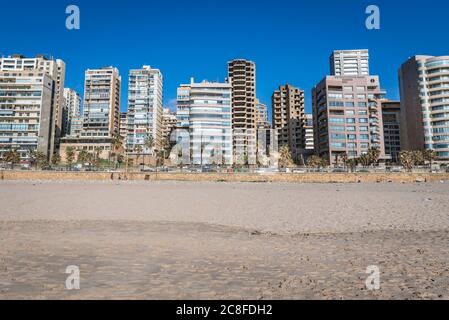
x=289, y=119
x=424, y=89
x=204, y=109
x=76, y=126
x=102, y=102
x=124, y=125
x=347, y=114
x=169, y=123
x=27, y=111
x=145, y=107
x=55, y=68
x=262, y=116
x=101, y=114
x=309, y=136
x=242, y=77
x=391, y=116
x=350, y=63
x=71, y=110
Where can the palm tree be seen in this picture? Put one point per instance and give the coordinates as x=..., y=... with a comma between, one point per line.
x=56, y=159
x=41, y=159
x=430, y=156
x=70, y=156
x=373, y=155
x=13, y=157
x=407, y=160
x=352, y=163
x=83, y=157
x=365, y=160
x=31, y=153
x=138, y=149
x=149, y=144
x=97, y=157
x=344, y=158
x=117, y=145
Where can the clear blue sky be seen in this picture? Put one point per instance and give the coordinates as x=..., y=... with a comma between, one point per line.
x=289, y=40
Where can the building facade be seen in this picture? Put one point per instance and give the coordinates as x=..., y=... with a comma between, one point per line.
x=391, y=116
x=71, y=110
x=289, y=119
x=424, y=89
x=262, y=116
x=349, y=63
x=101, y=102
x=242, y=77
x=145, y=107
x=169, y=123
x=27, y=112
x=347, y=114
x=55, y=68
x=310, y=140
x=123, y=125
x=204, y=109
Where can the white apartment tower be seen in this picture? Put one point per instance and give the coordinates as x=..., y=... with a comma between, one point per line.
x=27, y=112
x=204, y=109
x=350, y=63
x=424, y=88
x=55, y=69
x=145, y=107
x=101, y=102
x=72, y=109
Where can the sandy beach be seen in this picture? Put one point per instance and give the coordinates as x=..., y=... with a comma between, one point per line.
x=181, y=240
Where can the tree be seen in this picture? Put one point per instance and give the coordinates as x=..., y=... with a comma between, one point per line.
x=285, y=157
x=407, y=160
x=418, y=157
x=430, y=156
x=364, y=160
x=138, y=149
x=344, y=158
x=83, y=157
x=70, y=156
x=31, y=153
x=314, y=161
x=352, y=163
x=117, y=146
x=56, y=159
x=373, y=155
x=41, y=159
x=13, y=157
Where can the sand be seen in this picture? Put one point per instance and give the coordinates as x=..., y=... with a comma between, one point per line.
x=178, y=240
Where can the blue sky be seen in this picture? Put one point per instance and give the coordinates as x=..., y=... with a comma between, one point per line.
x=289, y=40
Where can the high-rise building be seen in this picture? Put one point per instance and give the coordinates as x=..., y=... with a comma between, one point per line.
x=204, y=109
x=262, y=116
x=145, y=107
x=242, y=77
x=310, y=143
x=27, y=111
x=347, y=113
x=55, y=69
x=350, y=63
x=424, y=88
x=102, y=102
x=289, y=119
x=391, y=116
x=124, y=125
x=71, y=110
x=169, y=123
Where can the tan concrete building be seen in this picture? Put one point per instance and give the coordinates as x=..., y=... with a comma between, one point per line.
x=289, y=119
x=102, y=102
x=91, y=145
x=424, y=88
x=242, y=77
x=27, y=112
x=391, y=116
x=169, y=123
x=347, y=113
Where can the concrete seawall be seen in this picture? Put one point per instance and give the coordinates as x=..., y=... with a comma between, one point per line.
x=223, y=177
